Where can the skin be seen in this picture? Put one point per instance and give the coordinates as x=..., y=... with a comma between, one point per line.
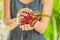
x=40, y=26
x=26, y=1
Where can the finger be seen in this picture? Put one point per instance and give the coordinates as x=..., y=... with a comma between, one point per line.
x=29, y=27
x=25, y=10
x=22, y=27
x=20, y=13
x=19, y=19
x=25, y=14
x=26, y=27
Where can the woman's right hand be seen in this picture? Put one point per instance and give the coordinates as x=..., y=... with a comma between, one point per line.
x=23, y=12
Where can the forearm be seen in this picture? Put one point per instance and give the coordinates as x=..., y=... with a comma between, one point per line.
x=10, y=24
x=41, y=26
x=47, y=9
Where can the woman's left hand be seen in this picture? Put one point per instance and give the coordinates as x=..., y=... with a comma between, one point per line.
x=26, y=27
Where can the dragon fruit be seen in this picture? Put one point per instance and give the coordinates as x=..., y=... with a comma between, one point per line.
x=29, y=19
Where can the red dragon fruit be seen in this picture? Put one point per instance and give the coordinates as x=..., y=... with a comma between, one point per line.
x=29, y=19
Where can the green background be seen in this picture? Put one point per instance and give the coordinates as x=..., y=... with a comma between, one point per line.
x=53, y=30
x=0, y=9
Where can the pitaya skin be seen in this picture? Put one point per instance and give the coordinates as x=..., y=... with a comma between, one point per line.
x=33, y=22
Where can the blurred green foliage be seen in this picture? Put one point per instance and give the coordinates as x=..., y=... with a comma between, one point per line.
x=0, y=9
x=51, y=28
x=49, y=34
x=56, y=11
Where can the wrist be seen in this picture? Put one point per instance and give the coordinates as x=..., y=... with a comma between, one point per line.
x=40, y=24
x=37, y=24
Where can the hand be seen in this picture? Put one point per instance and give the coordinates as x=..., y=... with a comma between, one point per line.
x=23, y=12
x=26, y=27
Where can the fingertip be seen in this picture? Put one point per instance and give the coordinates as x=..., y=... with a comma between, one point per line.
x=23, y=30
x=20, y=26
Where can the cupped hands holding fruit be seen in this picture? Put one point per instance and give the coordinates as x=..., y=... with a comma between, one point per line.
x=26, y=20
